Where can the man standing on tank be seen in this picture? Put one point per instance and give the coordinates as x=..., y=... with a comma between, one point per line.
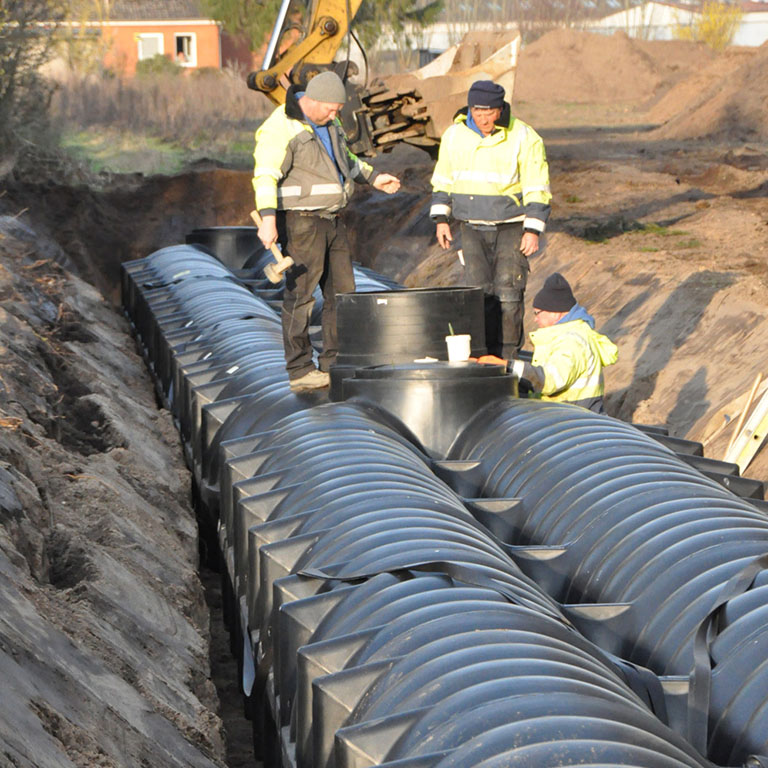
x=303, y=176
x=492, y=177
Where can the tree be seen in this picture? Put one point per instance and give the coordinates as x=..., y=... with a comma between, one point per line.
x=254, y=19
x=715, y=25
x=395, y=16
x=251, y=19
x=27, y=30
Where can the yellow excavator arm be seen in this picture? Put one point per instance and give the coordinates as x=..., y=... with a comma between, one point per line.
x=414, y=107
x=318, y=41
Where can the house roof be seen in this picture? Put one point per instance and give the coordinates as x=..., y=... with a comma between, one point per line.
x=153, y=10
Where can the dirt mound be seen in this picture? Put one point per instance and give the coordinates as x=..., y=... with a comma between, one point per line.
x=726, y=100
x=570, y=66
x=103, y=628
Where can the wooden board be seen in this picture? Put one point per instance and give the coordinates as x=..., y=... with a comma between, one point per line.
x=751, y=436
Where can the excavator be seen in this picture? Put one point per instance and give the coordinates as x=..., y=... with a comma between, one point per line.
x=414, y=108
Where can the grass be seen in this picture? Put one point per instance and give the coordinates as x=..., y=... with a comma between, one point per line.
x=112, y=151
x=107, y=150
x=158, y=124
x=656, y=230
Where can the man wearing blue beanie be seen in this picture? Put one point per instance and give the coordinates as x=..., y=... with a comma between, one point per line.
x=492, y=177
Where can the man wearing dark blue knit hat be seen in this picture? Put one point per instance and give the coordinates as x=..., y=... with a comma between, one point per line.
x=492, y=177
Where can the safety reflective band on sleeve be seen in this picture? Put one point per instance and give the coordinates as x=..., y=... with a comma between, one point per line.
x=557, y=378
x=440, y=210
x=528, y=190
x=440, y=180
x=263, y=171
x=485, y=177
x=536, y=224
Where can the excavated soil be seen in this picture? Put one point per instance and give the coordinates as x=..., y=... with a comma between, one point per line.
x=111, y=647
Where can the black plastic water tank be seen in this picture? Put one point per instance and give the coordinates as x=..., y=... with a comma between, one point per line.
x=402, y=325
x=435, y=400
x=232, y=246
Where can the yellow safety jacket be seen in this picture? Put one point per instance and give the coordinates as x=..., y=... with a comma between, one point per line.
x=572, y=356
x=292, y=168
x=497, y=178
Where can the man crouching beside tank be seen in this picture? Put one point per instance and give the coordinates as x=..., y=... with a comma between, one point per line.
x=303, y=177
x=568, y=354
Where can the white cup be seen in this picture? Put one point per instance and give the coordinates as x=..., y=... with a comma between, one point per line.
x=459, y=347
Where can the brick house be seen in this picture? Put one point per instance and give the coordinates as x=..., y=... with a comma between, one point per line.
x=133, y=30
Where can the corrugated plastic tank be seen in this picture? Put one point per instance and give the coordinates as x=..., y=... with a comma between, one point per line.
x=435, y=573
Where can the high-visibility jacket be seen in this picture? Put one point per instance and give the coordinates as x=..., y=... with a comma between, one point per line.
x=496, y=178
x=292, y=168
x=571, y=356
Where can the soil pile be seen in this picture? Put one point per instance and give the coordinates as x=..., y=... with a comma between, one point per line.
x=727, y=100
x=571, y=66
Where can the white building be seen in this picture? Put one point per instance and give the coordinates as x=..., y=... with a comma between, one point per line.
x=655, y=20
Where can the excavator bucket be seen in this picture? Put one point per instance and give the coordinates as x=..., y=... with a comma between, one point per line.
x=416, y=107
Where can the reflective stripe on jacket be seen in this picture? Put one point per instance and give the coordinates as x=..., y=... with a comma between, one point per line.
x=572, y=356
x=292, y=168
x=501, y=177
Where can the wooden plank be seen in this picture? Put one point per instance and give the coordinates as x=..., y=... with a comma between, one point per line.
x=725, y=416
x=744, y=411
x=751, y=436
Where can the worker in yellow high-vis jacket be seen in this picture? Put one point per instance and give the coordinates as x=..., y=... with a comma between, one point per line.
x=492, y=177
x=568, y=353
x=303, y=177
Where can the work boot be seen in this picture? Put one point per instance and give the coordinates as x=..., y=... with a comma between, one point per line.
x=313, y=380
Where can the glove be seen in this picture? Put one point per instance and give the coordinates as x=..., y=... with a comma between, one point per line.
x=491, y=360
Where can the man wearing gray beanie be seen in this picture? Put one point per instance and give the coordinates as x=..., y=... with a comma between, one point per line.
x=568, y=353
x=492, y=178
x=303, y=176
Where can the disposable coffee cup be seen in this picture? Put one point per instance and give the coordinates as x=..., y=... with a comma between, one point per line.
x=459, y=347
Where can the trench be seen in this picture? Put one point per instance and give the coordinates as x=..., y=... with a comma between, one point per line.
x=88, y=437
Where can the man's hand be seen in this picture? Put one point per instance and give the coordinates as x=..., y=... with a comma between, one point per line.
x=386, y=182
x=529, y=244
x=268, y=230
x=444, y=237
x=491, y=360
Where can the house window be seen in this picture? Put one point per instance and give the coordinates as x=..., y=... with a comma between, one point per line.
x=185, y=49
x=150, y=44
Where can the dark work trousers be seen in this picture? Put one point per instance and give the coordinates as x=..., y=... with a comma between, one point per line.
x=319, y=248
x=493, y=262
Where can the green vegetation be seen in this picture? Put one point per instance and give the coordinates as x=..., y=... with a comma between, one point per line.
x=656, y=229
x=111, y=151
x=107, y=151
x=158, y=65
x=714, y=26
x=158, y=122
x=24, y=47
x=254, y=19
x=573, y=199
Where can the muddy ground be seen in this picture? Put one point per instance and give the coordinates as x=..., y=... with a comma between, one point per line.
x=111, y=647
